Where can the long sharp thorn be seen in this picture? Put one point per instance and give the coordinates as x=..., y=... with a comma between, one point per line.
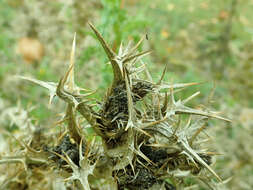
x=165, y=104
x=196, y=134
x=136, y=46
x=180, y=85
x=199, y=159
x=188, y=122
x=48, y=85
x=153, y=123
x=66, y=76
x=107, y=49
x=190, y=98
x=116, y=64
x=163, y=74
x=71, y=79
x=197, y=112
x=120, y=49
x=136, y=56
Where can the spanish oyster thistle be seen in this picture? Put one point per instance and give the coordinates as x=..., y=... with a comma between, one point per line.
x=144, y=142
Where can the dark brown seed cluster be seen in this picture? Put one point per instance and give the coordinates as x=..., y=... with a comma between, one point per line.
x=66, y=147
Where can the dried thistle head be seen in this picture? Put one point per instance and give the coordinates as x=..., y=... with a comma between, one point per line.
x=144, y=138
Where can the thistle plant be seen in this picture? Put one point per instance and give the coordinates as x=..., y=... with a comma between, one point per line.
x=147, y=138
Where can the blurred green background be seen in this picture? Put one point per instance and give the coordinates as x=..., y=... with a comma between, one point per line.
x=208, y=41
